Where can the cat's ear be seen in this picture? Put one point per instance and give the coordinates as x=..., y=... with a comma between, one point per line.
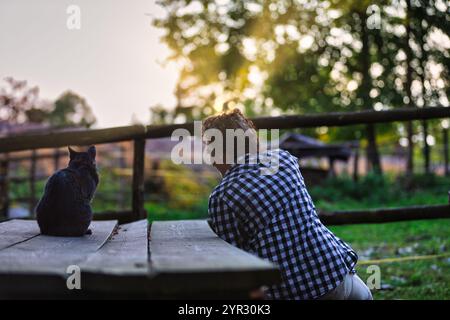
x=72, y=153
x=92, y=152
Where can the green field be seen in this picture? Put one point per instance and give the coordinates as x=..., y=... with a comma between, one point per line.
x=421, y=279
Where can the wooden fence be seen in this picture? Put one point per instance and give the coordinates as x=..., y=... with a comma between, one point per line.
x=31, y=179
x=33, y=176
x=139, y=134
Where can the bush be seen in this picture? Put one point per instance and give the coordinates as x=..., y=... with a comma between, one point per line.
x=375, y=191
x=182, y=193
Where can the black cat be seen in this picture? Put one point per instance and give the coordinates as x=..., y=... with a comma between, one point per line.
x=64, y=209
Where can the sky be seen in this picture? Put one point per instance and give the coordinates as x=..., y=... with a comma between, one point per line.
x=115, y=60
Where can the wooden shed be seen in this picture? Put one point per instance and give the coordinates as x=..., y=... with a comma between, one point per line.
x=303, y=147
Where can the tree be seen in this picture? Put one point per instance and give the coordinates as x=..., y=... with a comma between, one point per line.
x=71, y=110
x=17, y=100
x=428, y=18
x=332, y=73
x=160, y=115
x=308, y=56
x=210, y=41
x=417, y=59
x=20, y=103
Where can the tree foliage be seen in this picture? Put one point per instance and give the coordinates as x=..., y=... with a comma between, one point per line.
x=299, y=56
x=71, y=110
x=303, y=56
x=20, y=103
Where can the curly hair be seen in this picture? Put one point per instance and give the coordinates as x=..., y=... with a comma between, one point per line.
x=234, y=120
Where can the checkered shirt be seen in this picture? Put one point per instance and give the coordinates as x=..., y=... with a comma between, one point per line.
x=273, y=217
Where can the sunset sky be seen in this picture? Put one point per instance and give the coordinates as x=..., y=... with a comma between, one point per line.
x=115, y=60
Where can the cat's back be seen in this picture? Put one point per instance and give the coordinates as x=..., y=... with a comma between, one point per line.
x=58, y=180
x=59, y=188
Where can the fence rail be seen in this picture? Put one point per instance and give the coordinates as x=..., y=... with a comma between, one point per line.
x=98, y=136
x=335, y=119
x=385, y=215
x=55, y=139
x=139, y=134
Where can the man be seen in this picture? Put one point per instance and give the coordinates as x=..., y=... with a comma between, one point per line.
x=267, y=211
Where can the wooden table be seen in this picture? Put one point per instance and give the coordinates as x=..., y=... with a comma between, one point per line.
x=171, y=259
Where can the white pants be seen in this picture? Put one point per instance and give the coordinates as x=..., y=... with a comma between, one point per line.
x=352, y=288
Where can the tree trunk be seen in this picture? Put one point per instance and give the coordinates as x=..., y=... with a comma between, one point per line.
x=372, y=149
x=422, y=76
x=409, y=74
x=373, y=156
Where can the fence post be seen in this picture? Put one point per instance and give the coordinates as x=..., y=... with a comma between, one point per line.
x=331, y=170
x=355, y=147
x=446, y=168
x=138, y=179
x=32, y=200
x=122, y=164
x=426, y=148
x=4, y=196
x=56, y=159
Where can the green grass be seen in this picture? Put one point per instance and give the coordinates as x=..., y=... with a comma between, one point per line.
x=160, y=212
x=421, y=279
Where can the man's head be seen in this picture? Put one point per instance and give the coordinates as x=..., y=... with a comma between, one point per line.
x=231, y=135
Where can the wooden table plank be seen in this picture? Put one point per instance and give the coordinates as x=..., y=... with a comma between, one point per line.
x=47, y=254
x=189, y=256
x=126, y=252
x=16, y=231
x=191, y=245
x=121, y=265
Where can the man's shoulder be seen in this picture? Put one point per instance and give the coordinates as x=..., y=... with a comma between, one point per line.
x=241, y=176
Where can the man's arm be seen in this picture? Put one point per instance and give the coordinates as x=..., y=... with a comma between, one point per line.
x=224, y=221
